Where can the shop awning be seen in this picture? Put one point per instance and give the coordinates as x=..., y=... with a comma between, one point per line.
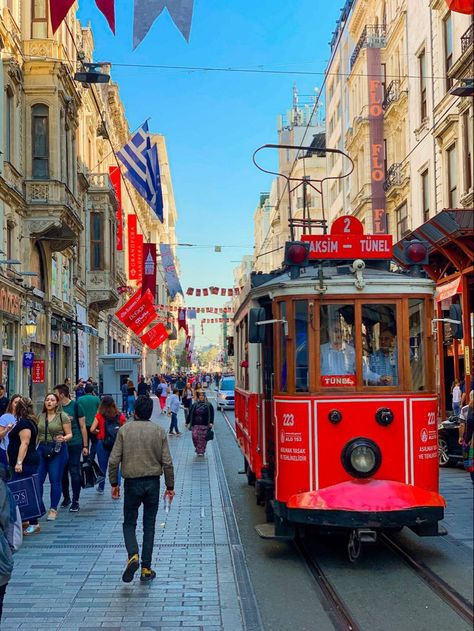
x=448, y=290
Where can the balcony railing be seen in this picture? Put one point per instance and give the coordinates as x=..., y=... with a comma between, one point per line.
x=467, y=39
x=392, y=94
x=373, y=36
x=393, y=176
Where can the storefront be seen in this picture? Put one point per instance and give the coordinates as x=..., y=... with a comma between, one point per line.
x=10, y=317
x=450, y=238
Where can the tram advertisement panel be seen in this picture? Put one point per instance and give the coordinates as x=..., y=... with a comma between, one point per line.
x=293, y=438
x=424, y=431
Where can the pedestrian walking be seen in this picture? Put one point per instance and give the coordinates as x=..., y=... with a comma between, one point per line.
x=187, y=400
x=173, y=405
x=79, y=389
x=141, y=451
x=180, y=384
x=90, y=404
x=131, y=396
x=78, y=446
x=124, y=391
x=162, y=393
x=106, y=424
x=466, y=434
x=54, y=431
x=143, y=389
x=3, y=400
x=456, y=396
x=22, y=454
x=7, y=422
x=6, y=558
x=200, y=419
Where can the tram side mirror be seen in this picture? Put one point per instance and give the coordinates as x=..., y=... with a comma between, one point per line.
x=256, y=331
x=455, y=313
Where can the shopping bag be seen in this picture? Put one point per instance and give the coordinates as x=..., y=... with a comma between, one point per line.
x=209, y=434
x=91, y=474
x=468, y=458
x=27, y=495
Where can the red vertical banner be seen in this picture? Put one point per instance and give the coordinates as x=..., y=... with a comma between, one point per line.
x=116, y=181
x=149, y=268
x=38, y=371
x=140, y=257
x=132, y=247
x=377, y=170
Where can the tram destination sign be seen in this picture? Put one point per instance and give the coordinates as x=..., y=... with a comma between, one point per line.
x=348, y=241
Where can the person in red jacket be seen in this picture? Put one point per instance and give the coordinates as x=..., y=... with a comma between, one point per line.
x=105, y=426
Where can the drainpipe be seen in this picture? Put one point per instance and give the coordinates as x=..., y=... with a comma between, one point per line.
x=435, y=167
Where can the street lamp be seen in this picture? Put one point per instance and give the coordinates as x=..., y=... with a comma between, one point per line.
x=30, y=328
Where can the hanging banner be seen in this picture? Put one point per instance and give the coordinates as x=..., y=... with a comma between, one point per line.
x=155, y=336
x=149, y=268
x=134, y=309
x=147, y=11
x=58, y=10
x=139, y=258
x=132, y=233
x=376, y=113
x=171, y=276
x=38, y=371
x=116, y=181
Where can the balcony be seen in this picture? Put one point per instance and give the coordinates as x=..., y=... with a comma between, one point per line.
x=392, y=94
x=397, y=175
x=463, y=68
x=467, y=39
x=53, y=213
x=102, y=293
x=373, y=36
x=101, y=190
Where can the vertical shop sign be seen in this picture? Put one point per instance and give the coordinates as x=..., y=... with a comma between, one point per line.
x=140, y=257
x=132, y=247
x=149, y=268
x=38, y=371
x=377, y=170
x=116, y=181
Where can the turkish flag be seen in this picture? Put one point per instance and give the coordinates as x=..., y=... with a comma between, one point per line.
x=155, y=336
x=108, y=9
x=58, y=10
x=461, y=6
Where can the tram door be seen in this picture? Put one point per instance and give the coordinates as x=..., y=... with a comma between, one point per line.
x=268, y=380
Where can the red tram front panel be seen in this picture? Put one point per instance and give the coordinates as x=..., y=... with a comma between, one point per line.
x=249, y=428
x=309, y=445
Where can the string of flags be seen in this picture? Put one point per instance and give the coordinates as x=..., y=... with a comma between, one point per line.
x=145, y=12
x=191, y=311
x=213, y=291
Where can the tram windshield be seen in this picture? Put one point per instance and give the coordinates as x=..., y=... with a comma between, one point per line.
x=379, y=345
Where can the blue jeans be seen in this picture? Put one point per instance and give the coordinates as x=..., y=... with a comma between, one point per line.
x=54, y=469
x=174, y=423
x=130, y=405
x=456, y=409
x=103, y=456
x=72, y=470
x=28, y=470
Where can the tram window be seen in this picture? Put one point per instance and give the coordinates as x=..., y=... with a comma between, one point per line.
x=283, y=352
x=379, y=345
x=337, y=353
x=417, y=344
x=301, y=351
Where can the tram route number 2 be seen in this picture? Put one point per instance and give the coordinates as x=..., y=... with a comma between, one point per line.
x=288, y=420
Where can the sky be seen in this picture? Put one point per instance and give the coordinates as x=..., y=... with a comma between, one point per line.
x=213, y=121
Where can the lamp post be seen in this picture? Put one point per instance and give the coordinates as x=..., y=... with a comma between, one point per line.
x=30, y=332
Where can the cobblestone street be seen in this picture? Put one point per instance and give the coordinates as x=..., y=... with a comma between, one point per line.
x=69, y=576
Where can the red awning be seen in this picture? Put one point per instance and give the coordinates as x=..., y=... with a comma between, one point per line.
x=448, y=290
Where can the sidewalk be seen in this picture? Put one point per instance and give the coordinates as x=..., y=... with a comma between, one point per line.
x=69, y=576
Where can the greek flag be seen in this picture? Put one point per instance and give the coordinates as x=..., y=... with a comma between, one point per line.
x=142, y=168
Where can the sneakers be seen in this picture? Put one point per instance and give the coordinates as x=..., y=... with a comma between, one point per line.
x=170, y=433
x=147, y=575
x=31, y=530
x=74, y=508
x=178, y=433
x=132, y=566
x=52, y=514
x=99, y=490
x=66, y=502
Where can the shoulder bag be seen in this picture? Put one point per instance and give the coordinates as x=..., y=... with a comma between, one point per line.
x=49, y=446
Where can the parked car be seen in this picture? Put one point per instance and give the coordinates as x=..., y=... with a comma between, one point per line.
x=226, y=394
x=449, y=449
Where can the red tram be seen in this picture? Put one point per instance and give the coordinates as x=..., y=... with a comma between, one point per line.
x=335, y=402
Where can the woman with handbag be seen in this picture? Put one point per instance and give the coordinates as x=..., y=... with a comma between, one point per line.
x=105, y=426
x=54, y=430
x=200, y=420
x=22, y=454
x=187, y=400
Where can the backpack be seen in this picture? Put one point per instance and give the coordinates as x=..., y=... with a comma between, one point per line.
x=111, y=428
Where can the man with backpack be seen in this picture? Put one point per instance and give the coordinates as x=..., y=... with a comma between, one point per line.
x=142, y=453
x=90, y=404
x=77, y=446
x=105, y=427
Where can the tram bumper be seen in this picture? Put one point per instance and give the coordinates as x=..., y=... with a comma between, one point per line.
x=377, y=504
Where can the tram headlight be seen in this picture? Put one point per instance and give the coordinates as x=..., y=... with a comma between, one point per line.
x=361, y=457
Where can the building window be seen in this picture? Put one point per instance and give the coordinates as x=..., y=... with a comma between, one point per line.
x=97, y=242
x=40, y=142
x=39, y=19
x=402, y=221
x=422, y=70
x=425, y=194
x=448, y=48
x=452, y=177
x=9, y=123
x=468, y=140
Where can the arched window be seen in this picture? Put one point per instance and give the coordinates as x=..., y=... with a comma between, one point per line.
x=40, y=141
x=36, y=265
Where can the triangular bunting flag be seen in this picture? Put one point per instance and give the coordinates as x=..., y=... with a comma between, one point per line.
x=58, y=10
x=108, y=9
x=146, y=12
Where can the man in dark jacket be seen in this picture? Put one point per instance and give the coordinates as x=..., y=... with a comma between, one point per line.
x=142, y=453
x=143, y=389
x=6, y=560
x=4, y=400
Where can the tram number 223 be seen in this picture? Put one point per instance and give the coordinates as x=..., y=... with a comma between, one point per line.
x=431, y=418
x=288, y=420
